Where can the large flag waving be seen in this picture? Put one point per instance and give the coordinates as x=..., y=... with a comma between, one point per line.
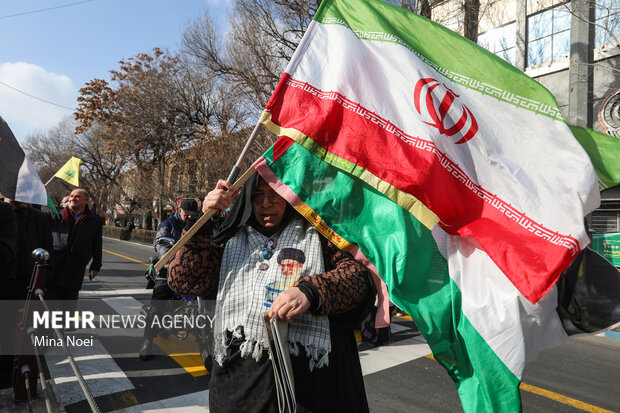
x=70, y=171
x=448, y=171
x=18, y=178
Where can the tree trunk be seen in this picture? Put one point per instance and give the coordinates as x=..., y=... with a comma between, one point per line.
x=147, y=219
x=425, y=9
x=471, y=10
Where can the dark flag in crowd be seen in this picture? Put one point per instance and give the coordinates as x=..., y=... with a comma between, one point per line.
x=19, y=179
x=589, y=294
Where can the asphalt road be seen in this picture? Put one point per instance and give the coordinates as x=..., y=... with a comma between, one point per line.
x=583, y=374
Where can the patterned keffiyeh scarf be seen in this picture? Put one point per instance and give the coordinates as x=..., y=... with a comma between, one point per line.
x=255, y=269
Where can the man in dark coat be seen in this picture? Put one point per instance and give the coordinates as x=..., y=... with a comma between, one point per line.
x=77, y=239
x=172, y=227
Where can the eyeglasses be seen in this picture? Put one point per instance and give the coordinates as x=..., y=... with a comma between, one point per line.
x=273, y=198
x=265, y=254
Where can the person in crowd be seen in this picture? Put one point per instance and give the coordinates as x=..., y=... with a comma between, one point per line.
x=77, y=236
x=32, y=231
x=332, y=294
x=170, y=228
x=62, y=204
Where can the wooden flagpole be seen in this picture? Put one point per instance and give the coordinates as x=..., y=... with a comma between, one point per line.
x=210, y=212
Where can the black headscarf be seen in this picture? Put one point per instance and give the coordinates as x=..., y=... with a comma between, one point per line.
x=241, y=214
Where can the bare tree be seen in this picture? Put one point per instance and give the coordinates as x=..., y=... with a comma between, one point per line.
x=101, y=170
x=49, y=151
x=154, y=107
x=261, y=39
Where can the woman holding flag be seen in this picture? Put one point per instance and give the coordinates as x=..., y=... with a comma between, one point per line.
x=244, y=258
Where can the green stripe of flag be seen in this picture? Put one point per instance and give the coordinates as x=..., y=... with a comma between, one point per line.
x=604, y=152
x=406, y=256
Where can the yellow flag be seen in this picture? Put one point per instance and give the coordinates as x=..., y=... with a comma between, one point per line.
x=70, y=171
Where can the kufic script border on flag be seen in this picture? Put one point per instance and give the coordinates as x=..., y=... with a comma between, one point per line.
x=426, y=145
x=470, y=83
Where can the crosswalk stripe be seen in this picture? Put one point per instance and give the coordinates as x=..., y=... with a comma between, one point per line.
x=397, y=328
x=102, y=374
x=384, y=357
x=124, y=305
x=107, y=293
x=190, y=403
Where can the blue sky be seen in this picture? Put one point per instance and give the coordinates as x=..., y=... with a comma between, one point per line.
x=51, y=54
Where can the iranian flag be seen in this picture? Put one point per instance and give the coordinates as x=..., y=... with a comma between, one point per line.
x=449, y=172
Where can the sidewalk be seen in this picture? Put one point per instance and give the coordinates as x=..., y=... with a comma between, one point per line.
x=7, y=403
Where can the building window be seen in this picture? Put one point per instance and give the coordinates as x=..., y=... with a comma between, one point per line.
x=607, y=22
x=549, y=35
x=501, y=41
x=607, y=217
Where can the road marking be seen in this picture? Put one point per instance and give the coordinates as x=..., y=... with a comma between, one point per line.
x=123, y=305
x=126, y=257
x=384, y=357
x=108, y=293
x=185, y=352
x=190, y=403
x=577, y=404
x=103, y=376
x=395, y=328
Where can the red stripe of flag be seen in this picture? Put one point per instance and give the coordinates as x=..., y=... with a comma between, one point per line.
x=530, y=255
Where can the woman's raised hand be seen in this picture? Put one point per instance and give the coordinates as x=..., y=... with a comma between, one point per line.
x=220, y=198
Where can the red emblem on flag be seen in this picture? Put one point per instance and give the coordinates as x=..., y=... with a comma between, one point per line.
x=449, y=118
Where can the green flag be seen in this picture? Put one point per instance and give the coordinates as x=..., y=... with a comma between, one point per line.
x=51, y=206
x=604, y=152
